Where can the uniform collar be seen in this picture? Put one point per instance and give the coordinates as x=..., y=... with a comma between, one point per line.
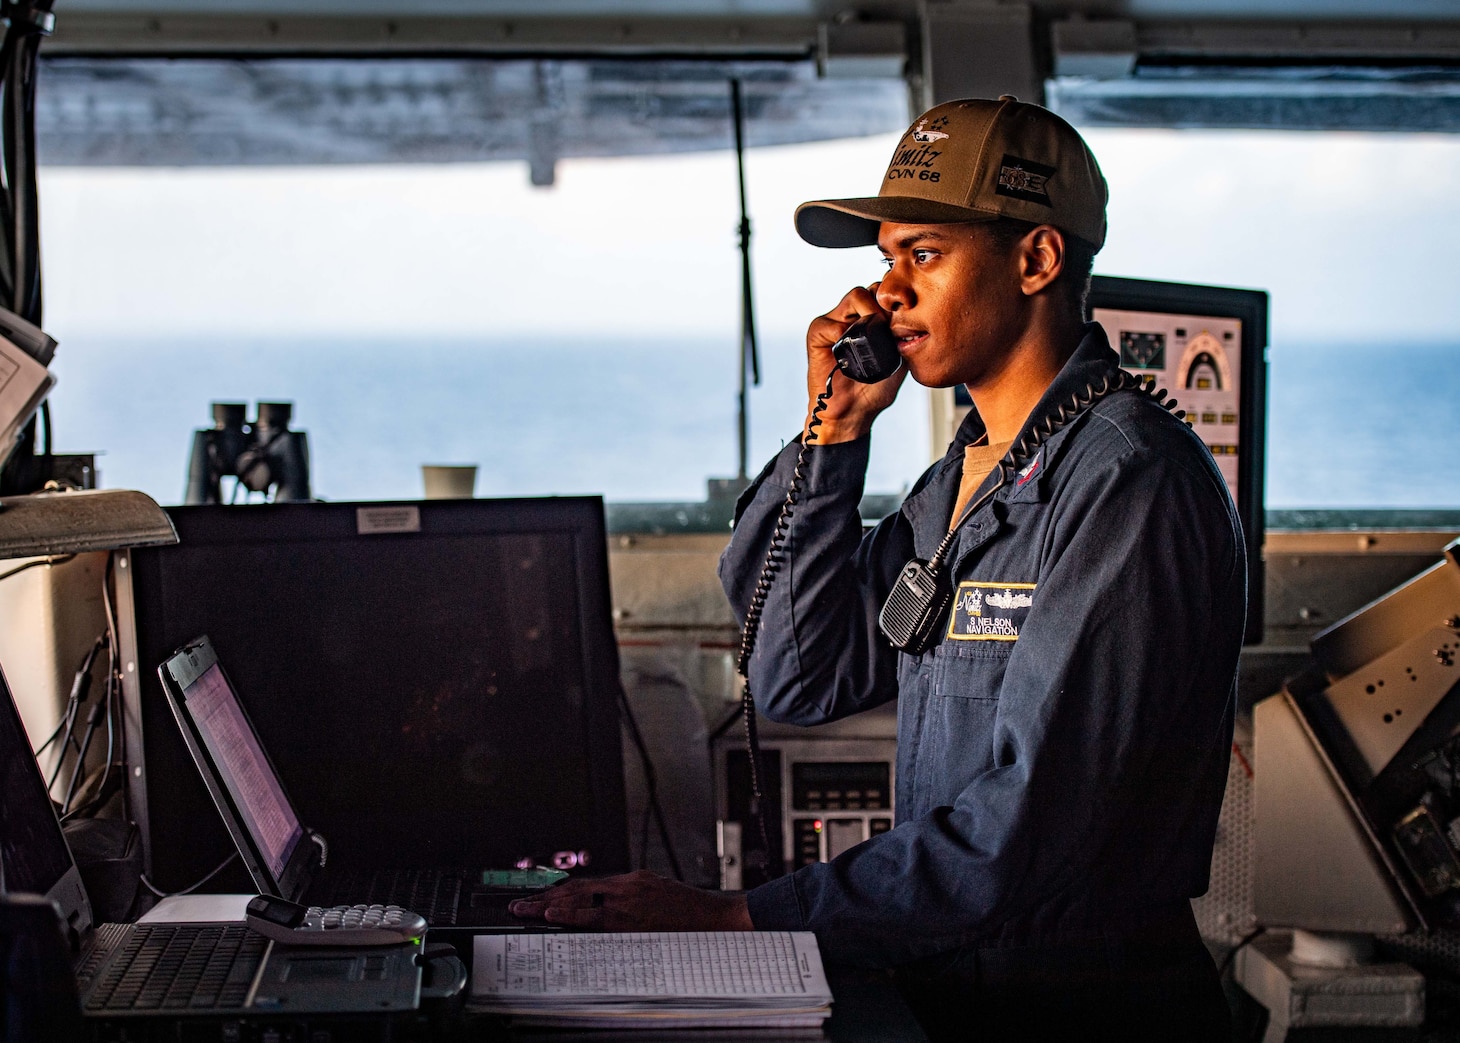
x=1092, y=362
x=1093, y=358
x=928, y=508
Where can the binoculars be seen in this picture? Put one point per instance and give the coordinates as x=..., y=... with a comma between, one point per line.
x=262, y=455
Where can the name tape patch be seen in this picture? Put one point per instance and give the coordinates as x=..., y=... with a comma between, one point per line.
x=1025, y=179
x=989, y=611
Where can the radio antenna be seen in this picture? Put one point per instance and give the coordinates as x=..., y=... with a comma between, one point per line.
x=749, y=353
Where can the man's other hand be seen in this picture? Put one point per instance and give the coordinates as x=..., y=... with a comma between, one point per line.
x=640, y=901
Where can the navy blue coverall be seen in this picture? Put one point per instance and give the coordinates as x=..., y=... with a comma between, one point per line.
x=1063, y=748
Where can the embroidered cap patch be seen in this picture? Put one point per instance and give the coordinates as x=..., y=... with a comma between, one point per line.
x=989, y=611
x=1025, y=179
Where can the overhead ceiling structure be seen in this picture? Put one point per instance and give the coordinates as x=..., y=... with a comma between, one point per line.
x=247, y=112
x=237, y=82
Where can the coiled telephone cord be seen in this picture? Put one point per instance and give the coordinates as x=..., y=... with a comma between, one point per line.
x=775, y=557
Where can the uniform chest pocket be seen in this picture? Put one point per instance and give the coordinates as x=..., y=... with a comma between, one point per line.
x=958, y=721
x=970, y=669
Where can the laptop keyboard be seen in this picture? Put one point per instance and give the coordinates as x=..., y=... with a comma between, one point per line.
x=434, y=893
x=180, y=967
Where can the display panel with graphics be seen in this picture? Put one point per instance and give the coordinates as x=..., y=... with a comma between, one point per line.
x=1197, y=359
x=1206, y=346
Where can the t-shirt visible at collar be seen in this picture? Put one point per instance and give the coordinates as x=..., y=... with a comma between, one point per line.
x=978, y=461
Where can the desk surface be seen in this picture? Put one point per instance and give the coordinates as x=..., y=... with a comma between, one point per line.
x=869, y=1009
x=866, y=1007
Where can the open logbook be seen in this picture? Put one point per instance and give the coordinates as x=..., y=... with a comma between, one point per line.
x=744, y=979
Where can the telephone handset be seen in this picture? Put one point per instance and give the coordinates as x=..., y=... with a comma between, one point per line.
x=292, y=924
x=867, y=351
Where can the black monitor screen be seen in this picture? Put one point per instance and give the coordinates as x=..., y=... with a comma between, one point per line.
x=436, y=682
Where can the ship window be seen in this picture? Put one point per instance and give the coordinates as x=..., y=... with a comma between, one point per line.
x=583, y=337
x=245, y=231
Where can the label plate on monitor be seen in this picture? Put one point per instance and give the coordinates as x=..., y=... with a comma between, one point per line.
x=370, y=521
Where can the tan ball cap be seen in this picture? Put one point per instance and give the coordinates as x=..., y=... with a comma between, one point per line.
x=974, y=160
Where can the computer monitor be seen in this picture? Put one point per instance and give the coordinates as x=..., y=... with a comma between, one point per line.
x=437, y=682
x=1207, y=346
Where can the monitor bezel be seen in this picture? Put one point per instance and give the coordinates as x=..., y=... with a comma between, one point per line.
x=1250, y=307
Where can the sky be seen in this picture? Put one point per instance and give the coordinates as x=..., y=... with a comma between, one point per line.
x=1350, y=233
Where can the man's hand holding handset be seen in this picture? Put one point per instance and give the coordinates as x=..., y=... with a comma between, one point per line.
x=849, y=412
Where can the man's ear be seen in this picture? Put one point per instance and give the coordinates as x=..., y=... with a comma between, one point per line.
x=1041, y=256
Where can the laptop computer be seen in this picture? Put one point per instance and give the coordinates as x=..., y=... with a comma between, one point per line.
x=181, y=971
x=283, y=857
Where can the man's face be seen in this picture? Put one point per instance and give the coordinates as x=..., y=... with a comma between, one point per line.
x=955, y=300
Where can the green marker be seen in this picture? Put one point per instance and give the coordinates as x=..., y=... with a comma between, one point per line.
x=522, y=879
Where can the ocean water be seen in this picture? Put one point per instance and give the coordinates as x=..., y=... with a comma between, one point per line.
x=1363, y=424
x=631, y=420
x=1349, y=425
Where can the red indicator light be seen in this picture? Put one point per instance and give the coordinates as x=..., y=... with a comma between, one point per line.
x=816, y=825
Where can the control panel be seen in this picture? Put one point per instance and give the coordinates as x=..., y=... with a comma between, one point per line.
x=822, y=796
x=852, y=801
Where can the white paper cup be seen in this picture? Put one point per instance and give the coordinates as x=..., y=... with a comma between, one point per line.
x=449, y=481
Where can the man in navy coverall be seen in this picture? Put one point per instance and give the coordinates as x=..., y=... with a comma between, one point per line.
x=1063, y=745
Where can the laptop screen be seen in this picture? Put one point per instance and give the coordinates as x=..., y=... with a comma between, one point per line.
x=235, y=749
x=34, y=851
